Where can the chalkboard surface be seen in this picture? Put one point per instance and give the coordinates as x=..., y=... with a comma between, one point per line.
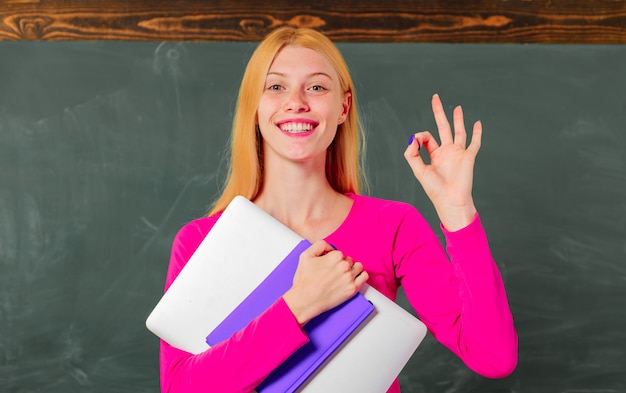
x=107, y=148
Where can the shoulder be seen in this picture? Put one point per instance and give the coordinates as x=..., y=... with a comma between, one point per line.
x=384, y=210
x=185, y=243
x=194, y=231
x=383, y=216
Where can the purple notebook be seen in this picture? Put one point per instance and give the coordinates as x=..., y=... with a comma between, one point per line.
x=326, y=332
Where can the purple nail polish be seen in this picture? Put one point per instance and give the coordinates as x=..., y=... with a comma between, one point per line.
x=411, y=139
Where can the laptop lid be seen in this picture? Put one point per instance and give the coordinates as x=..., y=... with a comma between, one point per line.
x=188, y=311
x=220, y=275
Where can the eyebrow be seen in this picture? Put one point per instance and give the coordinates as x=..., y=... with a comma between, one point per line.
x=310, y=75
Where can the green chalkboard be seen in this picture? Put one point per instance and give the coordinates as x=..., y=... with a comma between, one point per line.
x=107, y=148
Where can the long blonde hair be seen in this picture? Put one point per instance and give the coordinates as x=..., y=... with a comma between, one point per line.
x=344, y=156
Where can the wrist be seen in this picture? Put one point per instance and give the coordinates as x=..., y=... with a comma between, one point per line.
x=301, y=310
x=457, y=217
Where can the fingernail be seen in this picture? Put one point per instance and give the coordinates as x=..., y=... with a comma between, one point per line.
x=411, y=139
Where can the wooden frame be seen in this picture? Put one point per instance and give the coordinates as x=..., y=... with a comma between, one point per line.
x=485, y=21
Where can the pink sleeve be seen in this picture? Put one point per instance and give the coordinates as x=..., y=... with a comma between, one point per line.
x=462, y=300
x=238, y=364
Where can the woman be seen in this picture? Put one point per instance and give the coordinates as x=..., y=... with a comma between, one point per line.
x=295, y=153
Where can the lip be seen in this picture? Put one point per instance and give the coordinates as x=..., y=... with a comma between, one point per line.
x=302, y=121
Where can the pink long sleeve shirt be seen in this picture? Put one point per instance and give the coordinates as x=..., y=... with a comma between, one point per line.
x=461, y=299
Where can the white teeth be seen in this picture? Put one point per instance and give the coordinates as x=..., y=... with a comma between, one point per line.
x=296, y=127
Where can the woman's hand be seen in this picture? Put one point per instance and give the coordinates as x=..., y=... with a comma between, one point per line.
x=447, y=180
x=325, y=278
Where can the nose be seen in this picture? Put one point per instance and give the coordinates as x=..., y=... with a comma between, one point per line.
x=296, y=101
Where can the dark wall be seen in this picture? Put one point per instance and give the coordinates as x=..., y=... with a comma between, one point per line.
x=107, y=148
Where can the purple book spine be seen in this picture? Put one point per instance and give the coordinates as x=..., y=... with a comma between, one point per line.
x=326, y=332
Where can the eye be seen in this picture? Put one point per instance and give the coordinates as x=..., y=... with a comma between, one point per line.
x=317, y=88
x=275, y=87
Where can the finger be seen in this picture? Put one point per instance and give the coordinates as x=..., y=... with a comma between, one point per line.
x=421, y=139
x=318, y=248
x=346, y=264
x=414, y=146
x=357, y=268
x=460, y=136
x=412, y=156
x=445, y=134
x=361, y=279
x=426, y=140
x=477, y=136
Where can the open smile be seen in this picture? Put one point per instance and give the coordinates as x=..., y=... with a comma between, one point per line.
x=297, y=127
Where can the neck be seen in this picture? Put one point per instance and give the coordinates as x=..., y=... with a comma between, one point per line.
x=299, y=196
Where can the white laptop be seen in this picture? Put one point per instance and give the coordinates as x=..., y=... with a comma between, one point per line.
x=242, y=248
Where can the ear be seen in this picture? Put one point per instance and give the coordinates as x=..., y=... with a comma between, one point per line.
x=346, y=103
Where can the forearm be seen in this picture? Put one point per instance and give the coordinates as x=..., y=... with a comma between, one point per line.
x=238, y=364
x=485, y=336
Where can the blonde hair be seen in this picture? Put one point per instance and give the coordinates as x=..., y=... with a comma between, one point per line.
x=344, y=156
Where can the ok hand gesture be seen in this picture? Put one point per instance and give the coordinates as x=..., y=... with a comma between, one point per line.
x=447, y=179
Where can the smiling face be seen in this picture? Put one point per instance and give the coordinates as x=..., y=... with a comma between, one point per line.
x=301, y=106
